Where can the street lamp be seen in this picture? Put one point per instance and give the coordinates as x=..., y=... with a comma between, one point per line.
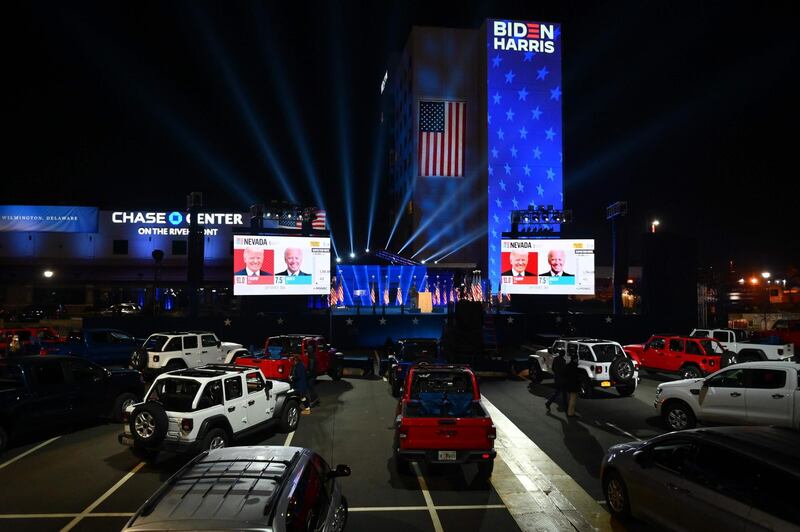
x=48, y=273
x=653, y=225
x=766, y=275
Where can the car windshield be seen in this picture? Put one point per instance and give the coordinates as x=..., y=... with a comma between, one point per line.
x=416, y=350
x=10, y=377
x=607, y=352
x=710, y=346
x=283, y=345
x=156, y=342
x=177, y=395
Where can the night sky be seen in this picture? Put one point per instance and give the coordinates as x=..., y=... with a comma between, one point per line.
x=687, y=110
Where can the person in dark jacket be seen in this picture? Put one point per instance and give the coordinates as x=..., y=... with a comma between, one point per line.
x=300, y=379
x=572, y=383
x=559, y=394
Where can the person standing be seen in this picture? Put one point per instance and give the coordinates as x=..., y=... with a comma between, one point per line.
x=300, y=381
x=572, y=382
x=559, y=394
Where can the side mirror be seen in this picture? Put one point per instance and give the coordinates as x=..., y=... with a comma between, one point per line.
x=268, y=386
x=340, y=471
x=642, y=458
x=219, y=343
x=551, y=350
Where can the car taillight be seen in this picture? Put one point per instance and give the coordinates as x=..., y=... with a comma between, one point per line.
x=186, y=425
x=485, y=456
x=598, y=369
x=43, y=351
x=491, y=433
x=280, y=369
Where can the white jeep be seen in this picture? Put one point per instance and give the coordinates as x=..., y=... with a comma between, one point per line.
x=602, y=363
x=206, y=408
x=171, y=351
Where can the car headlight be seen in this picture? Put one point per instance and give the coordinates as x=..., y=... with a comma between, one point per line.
x=658, y=392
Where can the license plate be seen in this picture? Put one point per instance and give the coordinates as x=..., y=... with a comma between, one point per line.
x=447, y=455
x=605, y=384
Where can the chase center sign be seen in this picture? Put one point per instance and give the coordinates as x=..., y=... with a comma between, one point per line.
x=175, y=223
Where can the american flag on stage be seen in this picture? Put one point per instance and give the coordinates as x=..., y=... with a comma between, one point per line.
x=340, y=293
x=453, y=295
x=441, y=138
x=399, y=296
x=333, y=297
x=372, y=297
x=386, y=296
x=436, y=296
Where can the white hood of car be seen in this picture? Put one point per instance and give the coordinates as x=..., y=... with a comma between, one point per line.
x=231, y=345
x=683, y=383
x=279, y=387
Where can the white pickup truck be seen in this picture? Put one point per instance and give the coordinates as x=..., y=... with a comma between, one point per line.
x=753, y=393
x=746, y=351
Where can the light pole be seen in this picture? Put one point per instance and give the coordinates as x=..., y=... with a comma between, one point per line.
x=653, y=225
x=766, y=276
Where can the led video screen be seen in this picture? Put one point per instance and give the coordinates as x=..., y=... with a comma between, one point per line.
x=281, y=265
x=547, y=266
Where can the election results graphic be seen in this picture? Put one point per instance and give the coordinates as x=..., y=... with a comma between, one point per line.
x=547, y=266
x=524, y=125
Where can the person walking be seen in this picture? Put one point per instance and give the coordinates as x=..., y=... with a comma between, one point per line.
x=300, y=381
x=572, y=383
x=559, y=394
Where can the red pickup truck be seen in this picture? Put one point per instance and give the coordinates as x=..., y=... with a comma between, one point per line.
x=688, y=357
x=440, y=420
x=276, y=361
x=782, y=332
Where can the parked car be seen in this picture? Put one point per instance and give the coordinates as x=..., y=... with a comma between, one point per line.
x=603, y=364
x=726, y=478
x=122, y=309
x=688, y=357
x=206, y=408
x=275, y=362
x=30, y=338
x=746, y=351
x=440, y=420
x=107, y=347
x=170, y=351
x=42, y=392
x=753, y=393
x=784, y=332
x=406, y=353
x=34, y=313
x=277, y=489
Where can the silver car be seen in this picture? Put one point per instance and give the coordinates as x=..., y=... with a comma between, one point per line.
x=726, y=478
x=265, y=488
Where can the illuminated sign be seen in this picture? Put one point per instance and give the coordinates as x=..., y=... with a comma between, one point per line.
x=524, y=125
x=175, y=218
x=48, y=218
x=524, y=36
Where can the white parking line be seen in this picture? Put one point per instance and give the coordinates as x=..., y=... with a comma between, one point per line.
x=102, y=497
x=61, y=516
x=425, y=508
x=29, y=451
x=624, y=432
x=437, y=525
x=289, y=438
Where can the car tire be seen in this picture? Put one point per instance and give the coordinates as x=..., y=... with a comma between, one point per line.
x=123, y=401
x=3, y=439
x=678, y=416
x=336, y=371
x=340, y=517
x=139, y=359
x=626, y=390
x=616, y=494
x=215, y=439
x=621, y=369
x=290, y=417
x=586, y=387
x=535, y=373
x=690, y=371
x=485, y=472
x=148, y=424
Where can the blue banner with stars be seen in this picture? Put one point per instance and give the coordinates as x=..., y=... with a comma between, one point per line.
x=524, y=124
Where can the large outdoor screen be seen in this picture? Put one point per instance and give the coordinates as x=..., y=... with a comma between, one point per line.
x=281, y=265
x=547, y=266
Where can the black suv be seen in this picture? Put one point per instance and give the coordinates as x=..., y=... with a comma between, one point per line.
x=38, y=393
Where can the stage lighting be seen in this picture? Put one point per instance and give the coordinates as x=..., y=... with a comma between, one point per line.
x=352, y=255
x=366, y=250
x=423, y=261
x=338, y=259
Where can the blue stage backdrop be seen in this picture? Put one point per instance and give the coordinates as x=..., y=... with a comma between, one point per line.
x=48, y=218
x=360, y=281
x=524, y=124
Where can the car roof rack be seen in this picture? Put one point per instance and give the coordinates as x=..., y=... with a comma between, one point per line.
x=228, y=367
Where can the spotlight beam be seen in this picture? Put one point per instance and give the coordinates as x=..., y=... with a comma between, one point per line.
x=458, y=244
x=246, y=110
x=376, y=178
x=453, y=223
x=401, y=211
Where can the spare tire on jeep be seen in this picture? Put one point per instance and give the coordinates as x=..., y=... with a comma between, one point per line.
x=621, y=369
x=728, y=358
x=148, y=424
x=139, y=359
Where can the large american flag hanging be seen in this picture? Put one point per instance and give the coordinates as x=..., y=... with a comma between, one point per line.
x=441, y=138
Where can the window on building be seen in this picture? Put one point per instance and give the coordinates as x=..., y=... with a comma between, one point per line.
x=120, y=247
x=179, y=247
